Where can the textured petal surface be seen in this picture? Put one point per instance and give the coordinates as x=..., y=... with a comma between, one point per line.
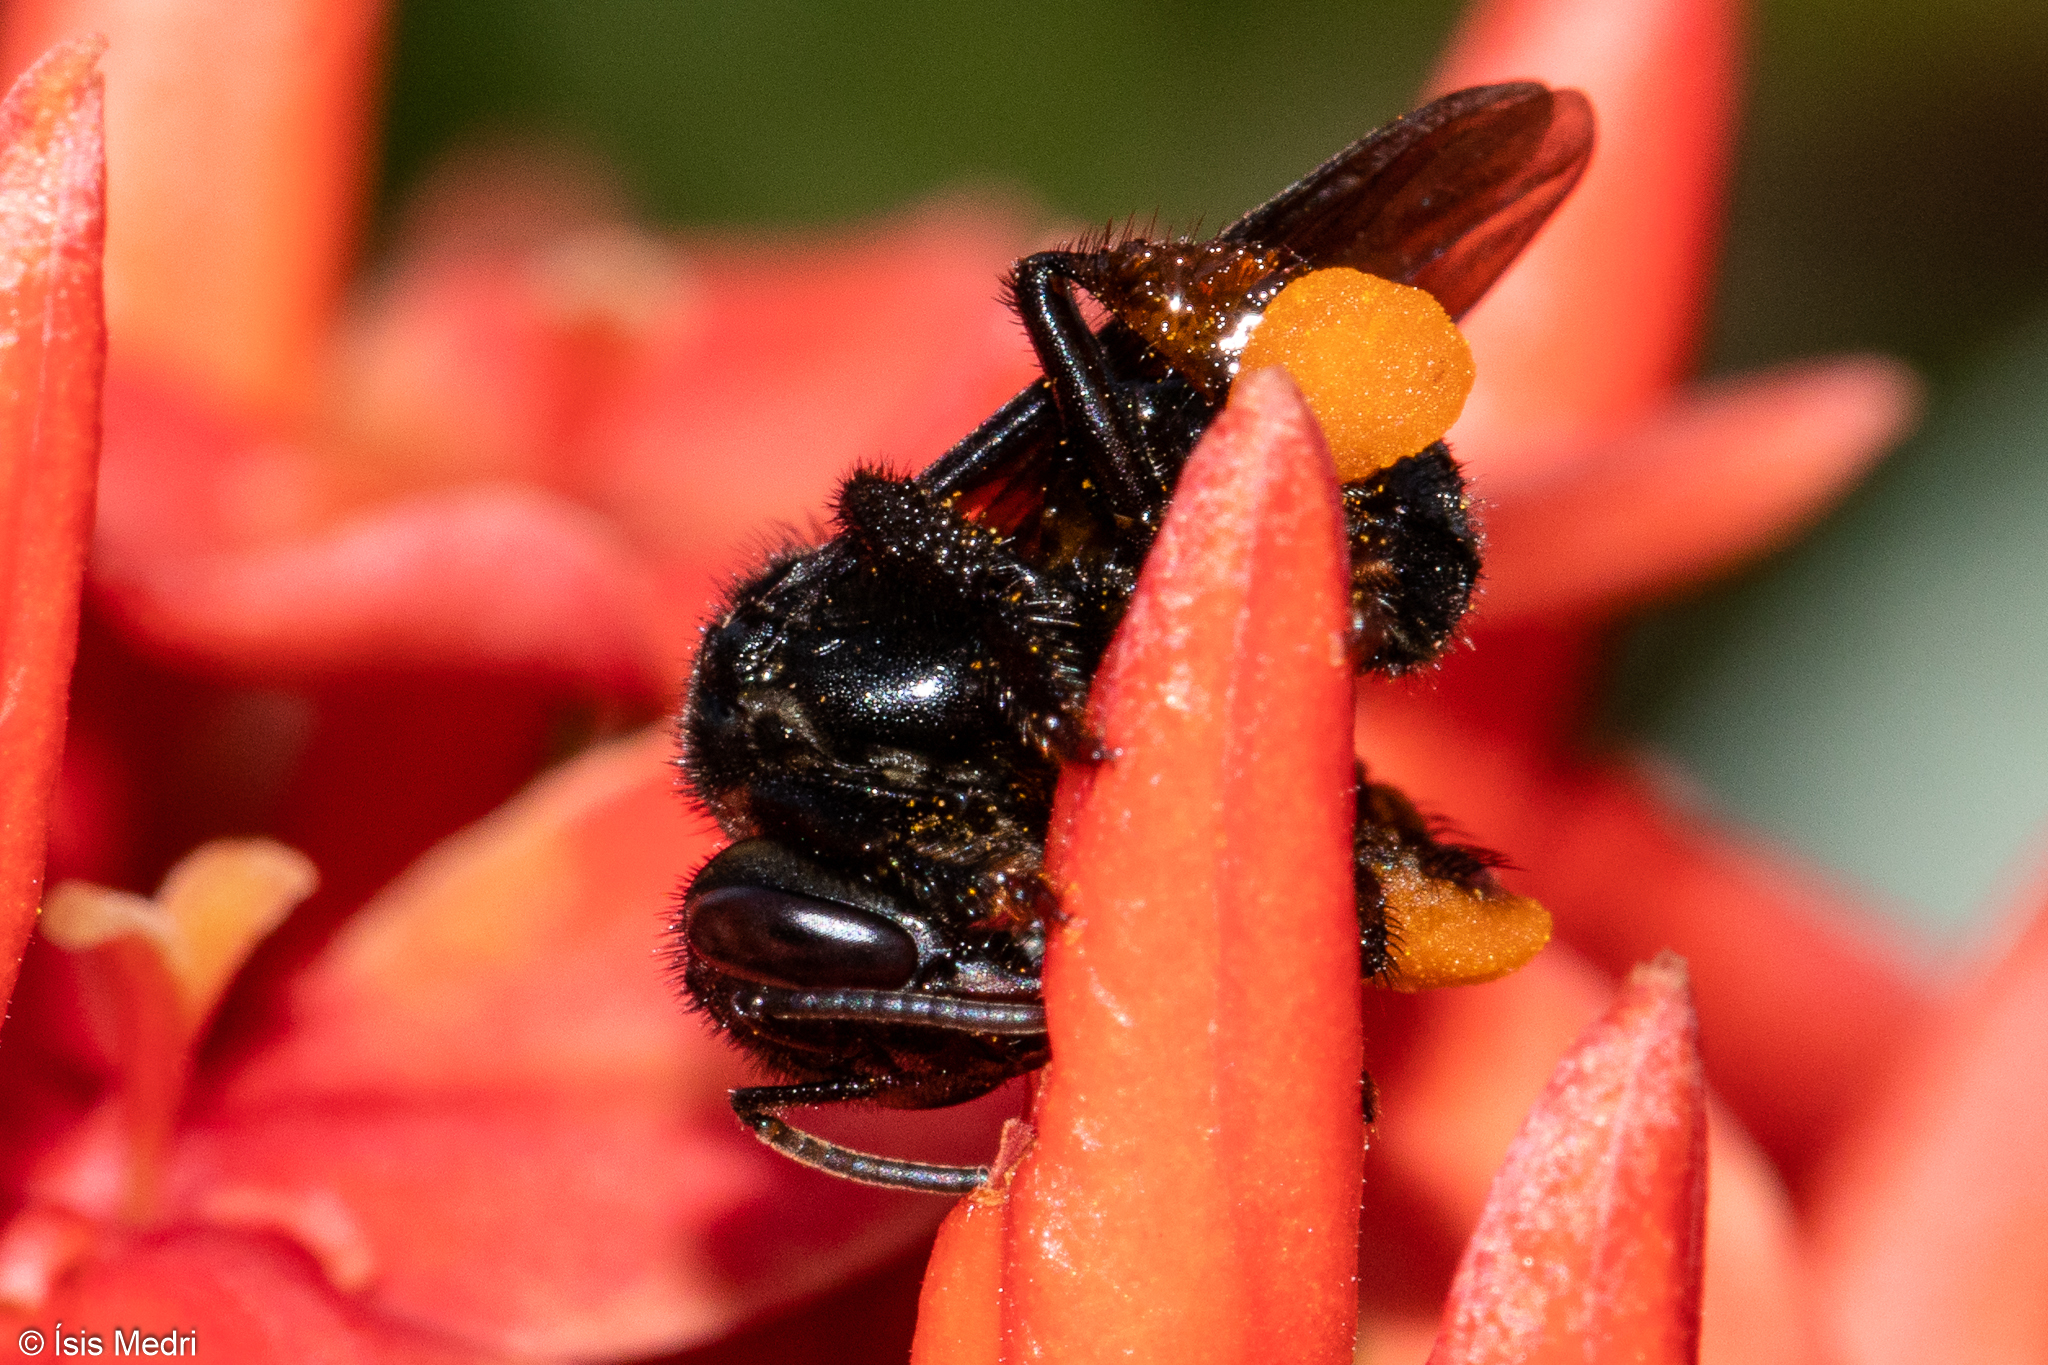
x=52, y=351
x=1193, y=1192
x=1458, y=1071
x=1592, y=1239
x=960, y=1307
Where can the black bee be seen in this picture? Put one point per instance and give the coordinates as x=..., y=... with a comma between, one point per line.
x=879, y=722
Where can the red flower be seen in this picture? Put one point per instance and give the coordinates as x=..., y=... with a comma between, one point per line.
x=475, y=1120
x=355, y=579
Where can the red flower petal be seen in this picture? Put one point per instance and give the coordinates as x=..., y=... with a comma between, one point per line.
x=1597, y=321
x=498, y=579
x=784, y=368
x=1727, y=473
x=483, y=358
x=520, y=952
x=216, y=547
x=1931, y=1233
x=489, y=1094
x=1458, y=1071
x=960, y=1308
x=1591, y=1243
x=246, y=1298
x=1194, y=1189
x=52, y=349
x=267, y=107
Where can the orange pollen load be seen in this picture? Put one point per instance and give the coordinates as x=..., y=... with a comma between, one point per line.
x=1382, y=366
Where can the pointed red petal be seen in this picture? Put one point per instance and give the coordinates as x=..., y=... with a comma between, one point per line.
x=1591, y=1244
x=1193, y=1194
x=1599, y=319
x=1458, y=1071
x=960, y=1310
x=1932, y=1231
x=1727, y=473
x=237, y=135
x=52, y=351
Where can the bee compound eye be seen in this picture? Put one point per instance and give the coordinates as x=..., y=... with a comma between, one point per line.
x=771, y=936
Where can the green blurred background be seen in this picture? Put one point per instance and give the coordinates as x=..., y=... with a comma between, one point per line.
x=1873, y=697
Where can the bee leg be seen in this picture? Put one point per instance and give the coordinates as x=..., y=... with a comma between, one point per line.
x=1393, y=846
x=1002, y=1018
x=1011, y=428
x=756, y=1106
x=1092, y=402
x=1429, y=910
x=1414, y=560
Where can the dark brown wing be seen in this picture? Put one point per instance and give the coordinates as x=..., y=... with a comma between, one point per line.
x=1444, y=198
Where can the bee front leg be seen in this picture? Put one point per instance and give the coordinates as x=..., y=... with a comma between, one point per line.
x=757, y=1105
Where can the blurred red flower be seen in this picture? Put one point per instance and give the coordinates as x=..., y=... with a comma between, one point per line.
x=359, y=574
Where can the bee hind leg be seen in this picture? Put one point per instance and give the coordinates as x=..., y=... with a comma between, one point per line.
x=1430, y=912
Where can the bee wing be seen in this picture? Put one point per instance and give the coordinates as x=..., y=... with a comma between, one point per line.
x=1444, y=198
